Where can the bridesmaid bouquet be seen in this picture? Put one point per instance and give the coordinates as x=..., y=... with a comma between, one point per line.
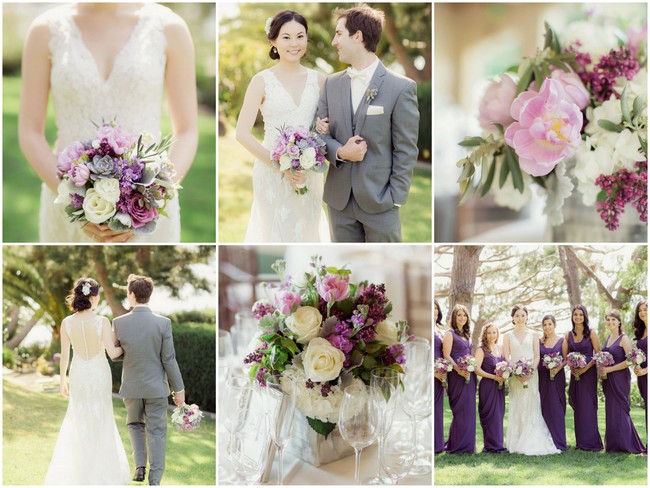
x=552, y=361
x=576, y=360
x=467, y=363
x=117, y=178
x=443, y=366
x=299, y=149
x=187, y=418
x=503, y=370
x=635, y=357
x=523, y=368
x=603, y=359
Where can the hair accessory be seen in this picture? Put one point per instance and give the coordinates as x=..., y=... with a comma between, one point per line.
x=85, y=289
x=267, y=27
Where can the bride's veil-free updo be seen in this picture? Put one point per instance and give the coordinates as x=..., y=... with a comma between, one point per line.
x=276, y=23
x=79, y=298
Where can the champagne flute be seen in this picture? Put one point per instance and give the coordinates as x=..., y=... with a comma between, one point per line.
x=417, y=405
x=398, y=450
x=355, y=422
x=226, y=353
x=282, y=401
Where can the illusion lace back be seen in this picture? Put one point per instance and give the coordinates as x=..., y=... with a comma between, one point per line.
x=89, y=450
x=278, y=214
x=527, y=431
x=131, y=95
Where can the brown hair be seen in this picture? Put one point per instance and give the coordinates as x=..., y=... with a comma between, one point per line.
x=484, y=331
x=79, y=298
x=457, y=308
x=140, y=286
x=639, y=325
x=365, y=19
x=617, y=315
x=552, y=319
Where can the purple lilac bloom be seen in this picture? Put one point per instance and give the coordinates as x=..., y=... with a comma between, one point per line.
x=76, y=200
x=367, y=334
x=621, y=188
x=256, y=356
x=260, y=376
x=309, y=384
x=375, y=297
x=261, y=308
x=325, y=389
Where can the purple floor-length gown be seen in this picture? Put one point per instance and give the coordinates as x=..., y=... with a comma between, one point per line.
x=462, y=400
x=620, y=434
x=583, y=398
x=439, y=397
x=552, y=394
x=642, y=381
x=491, y=405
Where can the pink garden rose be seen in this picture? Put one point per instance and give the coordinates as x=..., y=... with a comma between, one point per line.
x=547, y=128
x=70, y=154
x=286, y=301
x=139, y=212
x=116, y=137
x=496, y=102
x=573, y=87
x=333, y=288
x=79, y=174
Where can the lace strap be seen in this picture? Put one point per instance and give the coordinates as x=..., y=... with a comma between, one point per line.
x=68, y=325
x=59, y=20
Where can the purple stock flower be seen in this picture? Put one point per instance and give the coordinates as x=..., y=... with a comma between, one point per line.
x=286, y=300
x=76, y=200
x=334, y=288
x=341, y=342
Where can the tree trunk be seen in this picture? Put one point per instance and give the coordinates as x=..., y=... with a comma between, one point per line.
x=613, y=301
x=102, y=277
x=463, y=277
x=570, y=269
x=24, y=330
x=12, y=314
x=390, y=29
x=478, y=325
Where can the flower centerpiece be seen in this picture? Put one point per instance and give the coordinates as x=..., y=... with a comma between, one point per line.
x=324, y=332
x=299, y=149
x=503, y=370
x=187, y=418
x=576, y=360
x=568, y=119
x=635, y=357
x=523, y=368
x=602, y=359
x=117, y=178
x=467, y=363
x=551, y=361
x=443, y=366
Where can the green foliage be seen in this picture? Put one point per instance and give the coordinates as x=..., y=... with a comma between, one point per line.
x=323, y=428
x=194, y=316
x=9, y=359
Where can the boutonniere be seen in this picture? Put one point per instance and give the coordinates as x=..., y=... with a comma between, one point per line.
x=371, y=93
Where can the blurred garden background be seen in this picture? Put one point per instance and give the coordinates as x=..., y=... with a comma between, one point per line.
x=36, y=280
x=21, y=186
x=405, y=47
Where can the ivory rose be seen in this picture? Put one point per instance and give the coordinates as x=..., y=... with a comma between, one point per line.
x=322, y=361
x=306, y=323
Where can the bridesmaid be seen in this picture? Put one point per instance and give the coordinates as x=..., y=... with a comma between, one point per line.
x=439, y=391
x=462, y=397
x=583, y=396
x=620, y=434
x=552, y=391
x=491, y=400
x=641, y=336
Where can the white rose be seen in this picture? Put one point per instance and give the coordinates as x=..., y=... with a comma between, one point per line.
x=285, y=162
x=305, y=322
x=63, y=193
x=322, y=361
x=97, y=209
x=386, y=332
x=108, y=189
x=308, y=158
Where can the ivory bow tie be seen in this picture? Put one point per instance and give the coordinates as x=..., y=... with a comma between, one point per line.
x=362, y=76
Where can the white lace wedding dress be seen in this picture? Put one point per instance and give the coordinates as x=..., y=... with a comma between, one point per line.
x=278, y=214
x=131, y=95
x=527, y=431
x=89, y=450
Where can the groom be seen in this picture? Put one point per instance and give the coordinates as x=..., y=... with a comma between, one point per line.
x=373, y=129
x=149, y=362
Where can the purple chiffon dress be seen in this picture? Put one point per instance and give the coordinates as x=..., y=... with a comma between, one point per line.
x=583, y=399
x=552, y=394
x=439, y=401
x=462, y=400
x=642, y=381
x=491, y=405
x=620, y=434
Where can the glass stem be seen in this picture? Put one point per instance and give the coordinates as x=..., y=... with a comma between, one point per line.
x=416, y=422
x=357, y=462
x=380, y=442
x=280, y=472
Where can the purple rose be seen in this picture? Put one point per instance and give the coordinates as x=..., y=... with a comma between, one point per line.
x=573, y=87
x=286, y=301
x=70, y=154
x=333, y=288
x=79, y=174
x=117, y=138
x=139, y=211
x=496, y=102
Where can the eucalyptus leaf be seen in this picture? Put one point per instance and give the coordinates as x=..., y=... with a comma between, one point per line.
x=610, y=126
x=526, y=76
x=490, y=177
x=503, y=174
x=517, y=176
x=471, y=141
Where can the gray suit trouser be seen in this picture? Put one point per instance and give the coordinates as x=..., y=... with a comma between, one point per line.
x=353, y=224
x=146, y=419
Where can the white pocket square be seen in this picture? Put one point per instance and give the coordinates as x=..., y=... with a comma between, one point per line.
x=375, y=110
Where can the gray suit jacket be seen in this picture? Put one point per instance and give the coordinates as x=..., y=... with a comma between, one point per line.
x=383, y=178
x=149, y=356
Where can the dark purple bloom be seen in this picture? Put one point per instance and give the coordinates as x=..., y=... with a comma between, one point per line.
x=262, y=308
x=76, y=200
x=342, y=343
x=367, y=334
x=621, y=188
x=325, y=389
x=309, y=384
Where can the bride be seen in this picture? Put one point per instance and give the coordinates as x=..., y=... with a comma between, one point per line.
x=287, y=95
x=88, y=450
x=527, y=431
x=103, y=62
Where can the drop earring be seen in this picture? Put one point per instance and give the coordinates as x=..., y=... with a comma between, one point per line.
x=275, y=51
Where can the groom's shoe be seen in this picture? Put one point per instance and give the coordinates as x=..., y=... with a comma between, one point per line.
x=139, y=474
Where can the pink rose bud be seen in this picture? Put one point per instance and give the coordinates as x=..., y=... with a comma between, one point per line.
x=333, y=288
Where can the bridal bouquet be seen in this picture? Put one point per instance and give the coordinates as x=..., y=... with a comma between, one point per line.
x=503, y=370
x=117, y=178
x=523, y=368
x=602, y=359
x=576, y=360
x=443, y=366
x=187, y=418
x=573, y=117
x=552, y=361
x=635, y=357
x=323, y=332
x=299, y=149
x=467, y=363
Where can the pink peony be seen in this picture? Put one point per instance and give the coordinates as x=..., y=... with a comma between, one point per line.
x=116, y=137
x=573, y=87
x=496, y=102
x=70, y=154
x=333, y=288
x=139, y=212
x=286, y=300
x=547, y=128
x=79, y=174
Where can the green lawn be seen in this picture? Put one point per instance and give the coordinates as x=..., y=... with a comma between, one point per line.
x=21, y=186
x=571, y=467
x=31, y=422
x=236, y=196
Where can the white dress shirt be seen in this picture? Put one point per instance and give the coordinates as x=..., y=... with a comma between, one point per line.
x=359, y=81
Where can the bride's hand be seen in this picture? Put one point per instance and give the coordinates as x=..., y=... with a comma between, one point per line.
x=323, y=125
x=63, y=387
x=296, y=179
x=102, y=233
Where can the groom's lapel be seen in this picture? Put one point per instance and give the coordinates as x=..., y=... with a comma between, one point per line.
x=346, y=100
x=375, y=84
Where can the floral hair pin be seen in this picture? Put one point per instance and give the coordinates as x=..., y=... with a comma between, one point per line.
x=267, y=27
x=85, y=289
